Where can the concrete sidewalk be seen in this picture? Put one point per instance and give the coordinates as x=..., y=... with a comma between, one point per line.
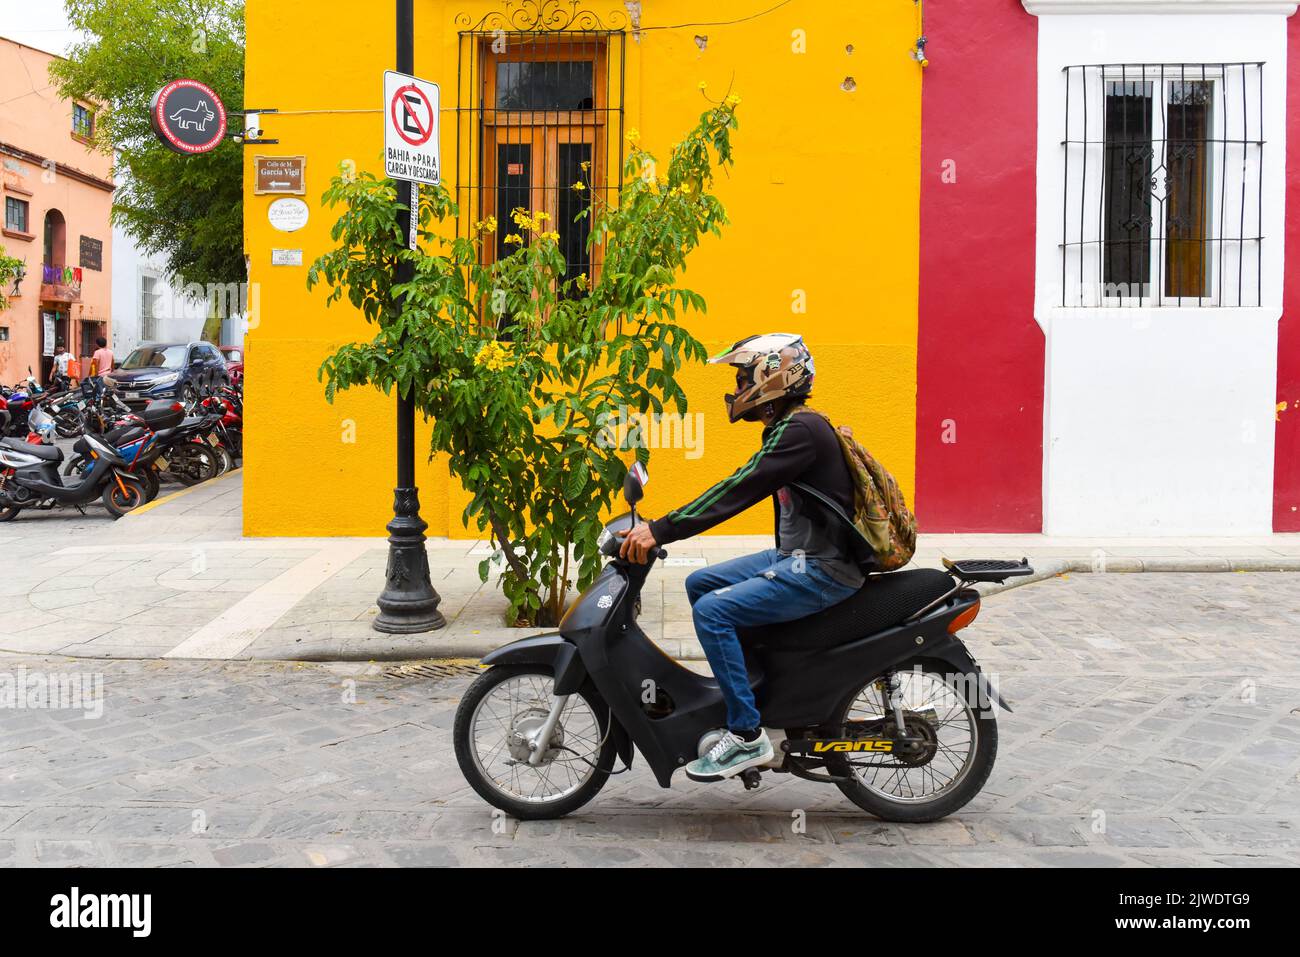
x=178, y=580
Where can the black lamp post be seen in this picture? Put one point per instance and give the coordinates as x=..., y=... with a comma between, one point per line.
x=408, y=603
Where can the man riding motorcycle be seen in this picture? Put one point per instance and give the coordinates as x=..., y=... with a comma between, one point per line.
x=811, y=566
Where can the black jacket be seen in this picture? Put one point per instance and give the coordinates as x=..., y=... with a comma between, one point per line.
x=797, y=448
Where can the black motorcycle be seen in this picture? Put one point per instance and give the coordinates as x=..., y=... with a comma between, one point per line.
x=29, y=475
x=875, y=695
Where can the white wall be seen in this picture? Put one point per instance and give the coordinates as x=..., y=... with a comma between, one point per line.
x=1158, y=421
x=179, y=319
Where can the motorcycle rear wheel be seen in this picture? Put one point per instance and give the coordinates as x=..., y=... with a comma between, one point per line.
x=495, y=716
x=9, y=514
x=193, y=463
x=964, y=732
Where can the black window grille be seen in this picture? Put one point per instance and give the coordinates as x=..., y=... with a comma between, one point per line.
x=1163, y=197
x=539, y=108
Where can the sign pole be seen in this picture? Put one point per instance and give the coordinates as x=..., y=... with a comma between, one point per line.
x=408, y=603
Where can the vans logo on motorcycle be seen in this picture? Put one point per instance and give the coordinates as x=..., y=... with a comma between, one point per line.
x=856, y=744
x=604, y=601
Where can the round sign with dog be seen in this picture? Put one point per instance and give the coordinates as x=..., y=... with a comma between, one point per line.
x=188, y=117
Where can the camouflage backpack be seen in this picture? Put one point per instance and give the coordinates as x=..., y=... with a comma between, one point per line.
x=880, y=516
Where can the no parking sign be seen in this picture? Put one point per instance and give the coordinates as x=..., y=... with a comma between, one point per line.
x=411, y=128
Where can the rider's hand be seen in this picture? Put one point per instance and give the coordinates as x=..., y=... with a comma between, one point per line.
x=637, y=543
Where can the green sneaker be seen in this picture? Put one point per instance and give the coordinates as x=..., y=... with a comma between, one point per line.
x=731, y=755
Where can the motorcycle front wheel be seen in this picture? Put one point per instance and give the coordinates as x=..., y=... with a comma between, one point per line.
x=499, y=717
x=152, y=484
x=119, y=502
x=932, y=779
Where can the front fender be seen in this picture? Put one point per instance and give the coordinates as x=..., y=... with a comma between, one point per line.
x=570, y=673
x=554, y=650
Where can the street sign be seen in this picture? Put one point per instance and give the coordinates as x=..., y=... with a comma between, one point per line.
x=411, y=128
x=279, y=174
x=188, y=117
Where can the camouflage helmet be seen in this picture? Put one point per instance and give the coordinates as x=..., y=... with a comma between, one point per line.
x=779, y=366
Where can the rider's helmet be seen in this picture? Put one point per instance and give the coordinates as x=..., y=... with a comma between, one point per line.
x=768, y=367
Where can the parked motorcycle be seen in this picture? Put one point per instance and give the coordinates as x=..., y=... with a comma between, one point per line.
x=875, y=695
x=29, y=474
x=158, y=423
x=20, y=400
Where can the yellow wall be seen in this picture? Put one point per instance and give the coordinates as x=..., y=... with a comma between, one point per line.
x=823, y=198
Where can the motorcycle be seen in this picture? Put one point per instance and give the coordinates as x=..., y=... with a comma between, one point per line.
x=876, y=695
x=29, y=474
x=141, y=438
x=20, y=400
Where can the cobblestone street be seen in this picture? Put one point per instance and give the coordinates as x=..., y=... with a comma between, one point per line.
x=1157, y=722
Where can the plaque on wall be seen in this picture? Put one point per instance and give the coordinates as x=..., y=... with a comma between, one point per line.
x=92, y=253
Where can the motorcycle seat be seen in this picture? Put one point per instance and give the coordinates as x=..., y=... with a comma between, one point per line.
x=882, y=602
x=49, y=453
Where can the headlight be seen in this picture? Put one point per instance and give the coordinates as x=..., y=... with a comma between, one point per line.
x=165, y=380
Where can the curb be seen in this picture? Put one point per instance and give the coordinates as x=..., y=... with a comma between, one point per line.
x=180, y=493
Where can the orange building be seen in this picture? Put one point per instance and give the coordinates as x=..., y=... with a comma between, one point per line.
x=58, y=193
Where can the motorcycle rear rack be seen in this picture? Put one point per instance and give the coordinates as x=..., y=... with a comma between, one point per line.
x=974, y=570
x=988, y=569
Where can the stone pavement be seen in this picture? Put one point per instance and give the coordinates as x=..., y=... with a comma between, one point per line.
x=179, y=579
x=1156, y=723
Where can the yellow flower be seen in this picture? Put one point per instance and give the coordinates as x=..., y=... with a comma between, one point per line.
x=493, y=356
x=515, y=238
x=585, y=165
x=541, y=216
x=686, y=188
x=488, y=225
x=733, y=100
x=703, y=86
x=522, y=219
x=633, y=135
x=579, y=186
x=552, y=236
x=581, y=280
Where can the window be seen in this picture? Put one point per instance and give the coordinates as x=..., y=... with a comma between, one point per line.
x=148, y=307
x=1163, y=195
x=16, y=214
x=155, y=357
x=83, y=121
x=90, y=332
x=545, y=111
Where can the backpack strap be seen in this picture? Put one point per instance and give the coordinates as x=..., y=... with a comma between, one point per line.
x=835, y=508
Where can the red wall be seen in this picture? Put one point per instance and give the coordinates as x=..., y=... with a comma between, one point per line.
x=980, y=353
x=1286, y=469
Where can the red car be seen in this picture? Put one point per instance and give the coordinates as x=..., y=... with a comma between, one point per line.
x=234, y=356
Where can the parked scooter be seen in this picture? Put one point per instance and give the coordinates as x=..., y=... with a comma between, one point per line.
x=875, y=695
x=29, y=475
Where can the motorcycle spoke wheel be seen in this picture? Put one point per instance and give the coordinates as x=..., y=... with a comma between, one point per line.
x=935, y=778
x=501, y=713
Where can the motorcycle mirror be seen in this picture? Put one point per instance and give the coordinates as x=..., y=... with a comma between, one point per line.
x=635, y=482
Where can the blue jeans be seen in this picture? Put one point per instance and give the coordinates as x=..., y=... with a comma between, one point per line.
x=752, y=590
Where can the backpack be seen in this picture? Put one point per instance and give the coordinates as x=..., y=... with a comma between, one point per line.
x=885, y=527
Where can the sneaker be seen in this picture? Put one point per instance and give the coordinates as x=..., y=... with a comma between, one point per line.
x=731, y=755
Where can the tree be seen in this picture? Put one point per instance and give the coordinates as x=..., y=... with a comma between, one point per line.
x=522, y=366
x=188, y=209
x=9, y=271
